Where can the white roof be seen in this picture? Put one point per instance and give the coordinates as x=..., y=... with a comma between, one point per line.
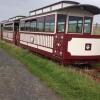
x=53, y=7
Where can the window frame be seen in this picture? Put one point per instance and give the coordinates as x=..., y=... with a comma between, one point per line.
x=35, y=28
x=27, y=25
x=40, y=20
x=47, y=20
x=77, y=25
x=64, y=22
x=23, y=26
x=86, y=23
x=52, y=24
x=9, y=27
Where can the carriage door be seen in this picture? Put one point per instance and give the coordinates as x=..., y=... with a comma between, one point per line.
x=16, y=33
x=1, y=30
x=59, y=36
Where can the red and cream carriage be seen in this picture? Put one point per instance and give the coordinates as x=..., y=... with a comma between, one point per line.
x=62, y=31
x=10, y=29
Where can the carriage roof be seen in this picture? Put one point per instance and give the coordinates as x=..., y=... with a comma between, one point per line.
x=59, y=6
x=15, y=18
x=11, y=20
x=65, y=5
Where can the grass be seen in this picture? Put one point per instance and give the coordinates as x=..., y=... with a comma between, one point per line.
x=97, y=65
x=96, y=30
x=65, y=82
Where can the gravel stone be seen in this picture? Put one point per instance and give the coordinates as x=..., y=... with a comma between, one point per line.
x=17, y=83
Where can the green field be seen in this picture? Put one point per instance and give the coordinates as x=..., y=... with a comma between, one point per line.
x=65, y=82
x=96, y=30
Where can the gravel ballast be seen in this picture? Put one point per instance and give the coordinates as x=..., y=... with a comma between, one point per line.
x=17, y=83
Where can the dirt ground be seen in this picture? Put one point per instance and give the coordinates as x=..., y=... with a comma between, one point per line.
x=17, y=83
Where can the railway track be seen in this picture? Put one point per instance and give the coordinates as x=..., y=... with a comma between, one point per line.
x=90, y=70
x=94, y=73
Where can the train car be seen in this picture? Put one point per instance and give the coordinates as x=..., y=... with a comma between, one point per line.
x=10, y=29
x=62, y=31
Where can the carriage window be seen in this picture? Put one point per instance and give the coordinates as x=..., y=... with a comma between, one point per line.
x=75, y=24
x=49, y=23
x=22, y=26
x=61, y=23
x=27, y=26
x=33, y=26
x=8, y=27
x=40, y=24
x=87, y=24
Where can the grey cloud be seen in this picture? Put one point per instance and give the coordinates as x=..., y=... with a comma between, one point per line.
x=10, y=8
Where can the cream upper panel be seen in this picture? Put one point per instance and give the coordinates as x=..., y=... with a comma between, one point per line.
x=75, y=12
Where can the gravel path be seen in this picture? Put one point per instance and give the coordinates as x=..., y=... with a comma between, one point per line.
x=17, y=83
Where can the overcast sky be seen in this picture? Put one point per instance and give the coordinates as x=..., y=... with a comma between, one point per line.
x=11, y=8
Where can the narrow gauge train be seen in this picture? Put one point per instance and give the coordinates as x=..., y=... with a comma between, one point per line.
x=62, y=31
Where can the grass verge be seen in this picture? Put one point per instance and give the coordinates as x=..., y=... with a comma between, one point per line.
x=65, y=82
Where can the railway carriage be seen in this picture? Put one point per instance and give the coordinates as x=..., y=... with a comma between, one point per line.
x=10, y=29
x=62, y=31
